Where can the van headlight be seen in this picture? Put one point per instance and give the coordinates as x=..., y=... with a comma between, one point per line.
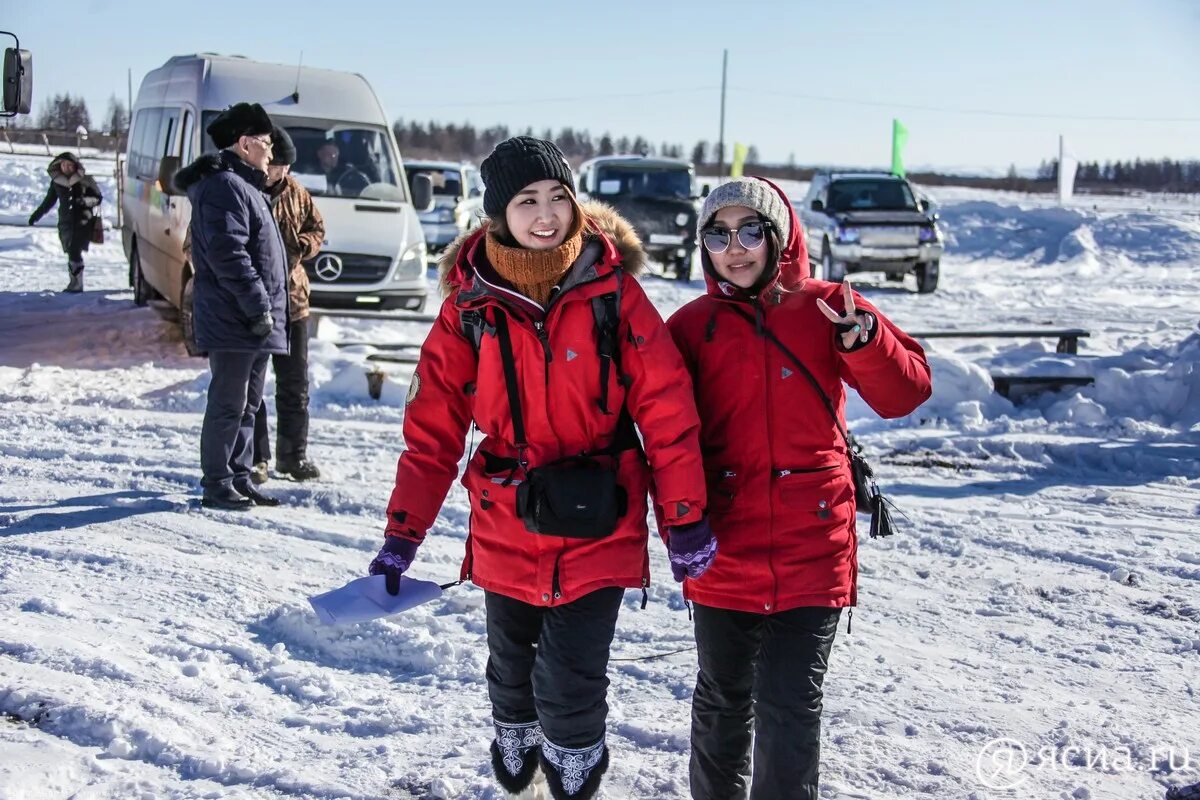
x=682, y=219
x=412, y=263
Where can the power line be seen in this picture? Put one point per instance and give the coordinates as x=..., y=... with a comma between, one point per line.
x=577, y=99
x=948, y=110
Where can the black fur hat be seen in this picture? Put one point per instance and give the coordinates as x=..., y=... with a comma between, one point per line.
x=283, y=152
x=241, y=119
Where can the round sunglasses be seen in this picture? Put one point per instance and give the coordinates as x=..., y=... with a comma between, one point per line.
x=750, y=235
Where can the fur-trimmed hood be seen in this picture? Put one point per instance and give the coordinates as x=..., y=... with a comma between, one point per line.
x=211, y=164
x=193, y=173
x=603, y=222
x=54, y=169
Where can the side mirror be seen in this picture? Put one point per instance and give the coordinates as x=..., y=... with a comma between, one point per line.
x=817, y=205
x=422, y=193
x=18, y=81
x=474, y=192
x=705, y=189
x=923, y=204
x=166, y=175
x=583, y=184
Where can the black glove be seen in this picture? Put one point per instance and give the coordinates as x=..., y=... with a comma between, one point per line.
x=262, y=326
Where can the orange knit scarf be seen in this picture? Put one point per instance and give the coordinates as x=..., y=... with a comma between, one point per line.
x=534, y=273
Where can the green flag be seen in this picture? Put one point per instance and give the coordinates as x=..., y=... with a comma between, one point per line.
x=899, y=139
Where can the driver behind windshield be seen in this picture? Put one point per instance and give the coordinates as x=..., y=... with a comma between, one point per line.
x=343, y=178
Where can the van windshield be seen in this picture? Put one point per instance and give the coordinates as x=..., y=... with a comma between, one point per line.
x=340, y=161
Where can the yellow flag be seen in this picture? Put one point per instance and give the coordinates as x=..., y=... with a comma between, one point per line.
x=739, y=160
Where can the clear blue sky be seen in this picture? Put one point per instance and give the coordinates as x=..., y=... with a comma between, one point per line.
x=798, y=71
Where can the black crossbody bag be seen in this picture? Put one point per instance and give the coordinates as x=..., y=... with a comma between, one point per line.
x=576, y=496
x=867, y=496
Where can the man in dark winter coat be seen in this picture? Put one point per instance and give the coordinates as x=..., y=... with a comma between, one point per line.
x=303, y=231
x=78, y=198
x=241, y=295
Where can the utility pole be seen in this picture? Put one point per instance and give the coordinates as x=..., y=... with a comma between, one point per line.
x=721, y=137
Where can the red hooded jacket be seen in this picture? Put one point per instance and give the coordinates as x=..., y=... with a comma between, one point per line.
x=781, y=498
x=558, y=370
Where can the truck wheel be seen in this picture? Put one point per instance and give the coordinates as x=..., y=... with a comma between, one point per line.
x=833, y=271
x=927, y=277
x=141, y=289
x=187, y=318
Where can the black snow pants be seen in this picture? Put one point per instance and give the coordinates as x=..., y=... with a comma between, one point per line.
x=550, y=665
x=760, y=679
x=291, y=403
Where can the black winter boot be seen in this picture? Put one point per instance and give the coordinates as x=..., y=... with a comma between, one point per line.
x=299, y=470
x=574, y=773
x=256, y=497
x=514, y=754
x=226, y=499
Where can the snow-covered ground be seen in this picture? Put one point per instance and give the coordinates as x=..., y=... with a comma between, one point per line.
x=1041, y=593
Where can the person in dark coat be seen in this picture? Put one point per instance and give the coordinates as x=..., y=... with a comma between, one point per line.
x=303, y=231
x=241, y=295
x=78, y=198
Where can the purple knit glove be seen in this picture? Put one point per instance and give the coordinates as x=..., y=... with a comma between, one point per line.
x=394, y=558
x=692, y=549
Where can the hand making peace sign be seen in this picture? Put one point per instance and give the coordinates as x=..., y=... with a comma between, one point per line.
x=854, y=324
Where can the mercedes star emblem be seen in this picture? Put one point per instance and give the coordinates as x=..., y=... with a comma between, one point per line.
x=329, y=267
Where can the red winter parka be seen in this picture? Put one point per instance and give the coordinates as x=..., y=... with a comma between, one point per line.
x=781, y=499
x=558, y=371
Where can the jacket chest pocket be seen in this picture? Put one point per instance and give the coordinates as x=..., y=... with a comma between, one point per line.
x=820, y=495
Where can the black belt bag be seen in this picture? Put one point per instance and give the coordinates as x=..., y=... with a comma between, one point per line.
x=575, y=497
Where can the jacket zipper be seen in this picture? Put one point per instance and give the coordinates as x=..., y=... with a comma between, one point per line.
x=555, y=588
x=761, y=323
x=783, y=473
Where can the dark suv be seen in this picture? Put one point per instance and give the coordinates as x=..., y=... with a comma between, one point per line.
x=657, y=196
x=870, y=222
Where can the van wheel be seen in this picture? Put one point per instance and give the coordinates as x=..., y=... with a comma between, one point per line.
x=927, y=277
x=187, y=319
x=832, y=271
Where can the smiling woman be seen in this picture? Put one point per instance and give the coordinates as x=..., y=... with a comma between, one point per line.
x=548, y=344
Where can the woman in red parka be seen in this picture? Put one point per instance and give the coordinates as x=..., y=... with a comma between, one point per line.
x=547, y=342
x=781, y=496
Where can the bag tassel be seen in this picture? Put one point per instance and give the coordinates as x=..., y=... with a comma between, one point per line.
x=881, y=518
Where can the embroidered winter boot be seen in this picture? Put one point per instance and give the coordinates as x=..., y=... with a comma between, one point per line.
x=574, y=773
x=75, y=282
x=515, y=756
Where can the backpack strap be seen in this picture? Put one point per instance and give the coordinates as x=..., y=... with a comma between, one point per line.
x=474, y=326
x=606, y=309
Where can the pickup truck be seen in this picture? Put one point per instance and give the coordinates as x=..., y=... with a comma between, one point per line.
x=870, y=222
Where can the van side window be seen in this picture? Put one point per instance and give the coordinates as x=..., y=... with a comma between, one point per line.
x=142, y=144
x=184, y=150
x=166, y=136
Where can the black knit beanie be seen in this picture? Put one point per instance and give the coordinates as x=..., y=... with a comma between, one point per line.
x=283, y=151
x=516, y=163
